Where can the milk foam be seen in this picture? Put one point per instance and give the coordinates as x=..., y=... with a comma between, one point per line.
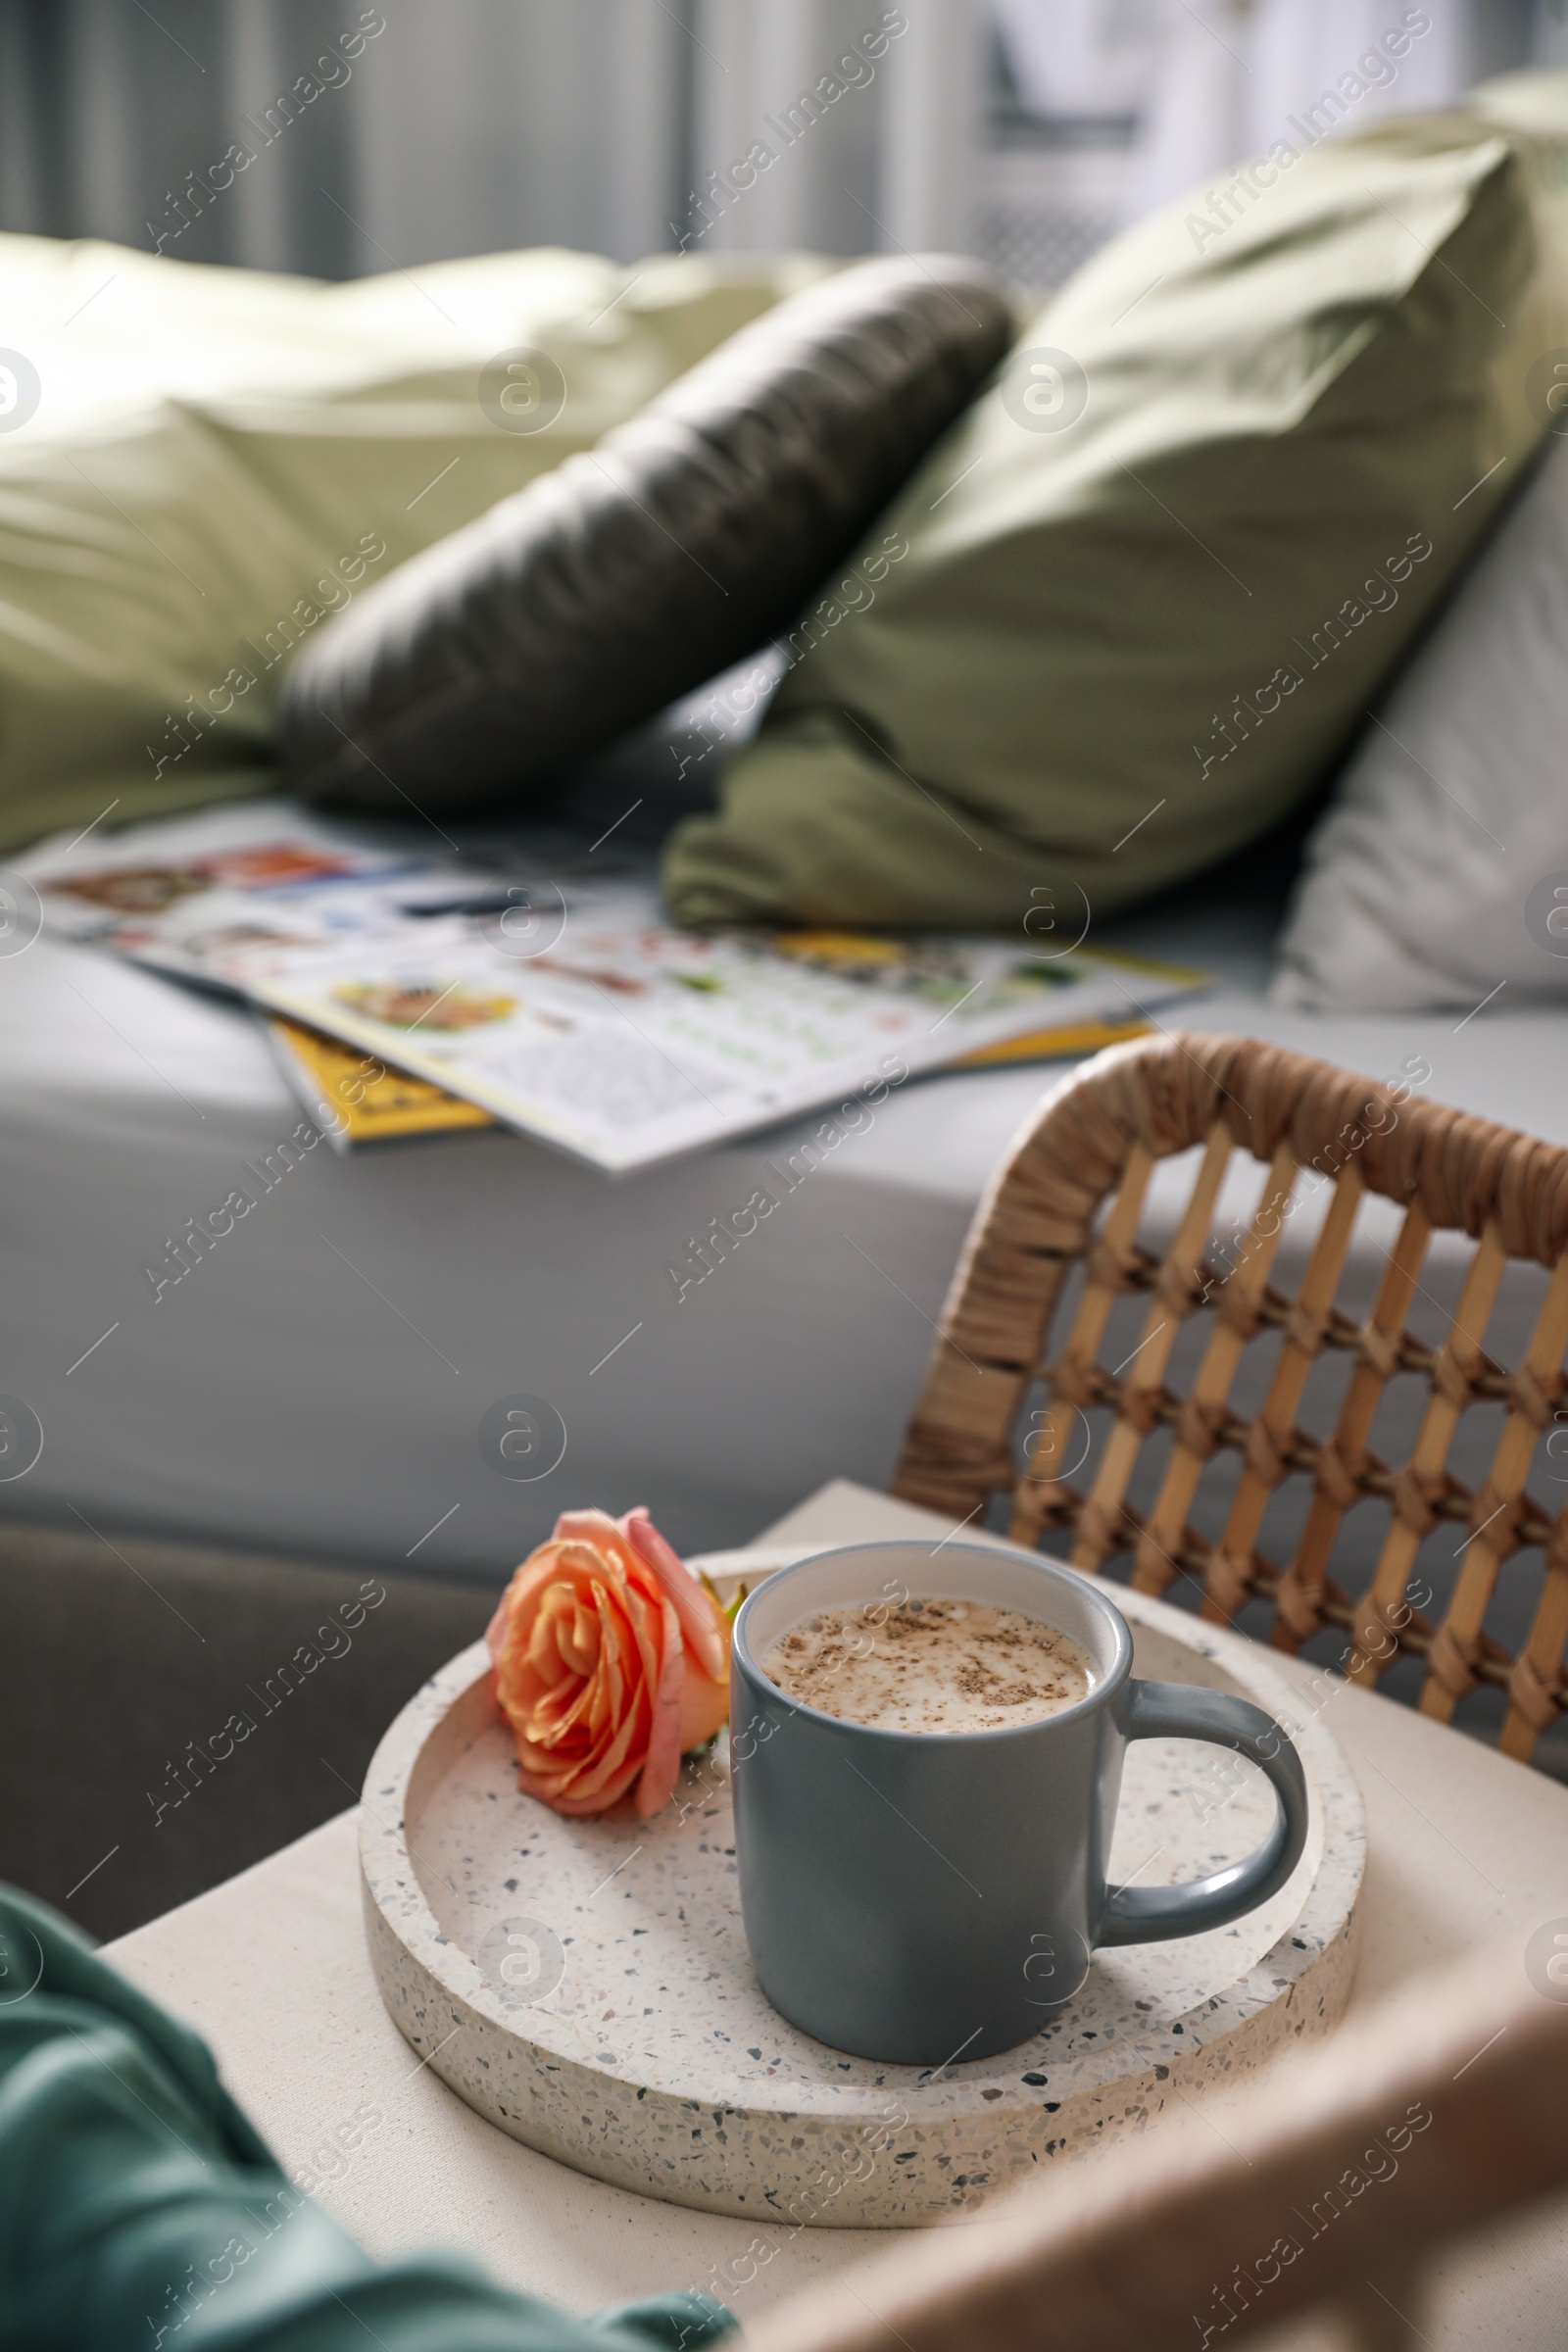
x=930, y=1666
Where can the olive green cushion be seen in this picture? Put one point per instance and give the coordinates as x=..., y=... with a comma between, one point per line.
x=216, y=456
x=1121, y=642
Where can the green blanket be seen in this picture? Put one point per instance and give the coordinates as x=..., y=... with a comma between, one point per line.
x=139, y=2206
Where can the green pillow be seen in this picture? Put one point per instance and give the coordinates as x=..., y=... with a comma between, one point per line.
x=1137, y=601
x=197, y=465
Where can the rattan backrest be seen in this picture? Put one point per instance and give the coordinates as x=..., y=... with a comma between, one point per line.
x=1332, y=2186
x=1092, y=1148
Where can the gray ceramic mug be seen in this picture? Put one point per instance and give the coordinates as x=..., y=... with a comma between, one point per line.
x=910, y=1896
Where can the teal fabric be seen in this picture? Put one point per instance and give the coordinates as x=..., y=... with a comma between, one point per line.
x=139, y=2207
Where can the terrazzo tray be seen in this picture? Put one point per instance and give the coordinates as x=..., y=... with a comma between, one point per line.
x=585, y=1984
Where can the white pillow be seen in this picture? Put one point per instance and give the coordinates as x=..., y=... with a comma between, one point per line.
x=1434, y=878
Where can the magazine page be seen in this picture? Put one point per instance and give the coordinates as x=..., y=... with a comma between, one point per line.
x=562, y=1002
x=200, y=895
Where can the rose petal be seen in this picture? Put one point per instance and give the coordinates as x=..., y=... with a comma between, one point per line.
x=704, y=1707
x=662, y=1769
x=702, y=1621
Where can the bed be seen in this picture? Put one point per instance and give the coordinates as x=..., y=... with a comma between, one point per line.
x=315, y=1385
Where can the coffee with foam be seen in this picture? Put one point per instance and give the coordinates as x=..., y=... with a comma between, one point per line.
x=939, y=1666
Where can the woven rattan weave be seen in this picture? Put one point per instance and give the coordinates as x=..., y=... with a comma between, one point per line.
x=1097, y=1140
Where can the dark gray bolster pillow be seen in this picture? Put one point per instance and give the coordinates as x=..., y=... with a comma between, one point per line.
x=631, y=573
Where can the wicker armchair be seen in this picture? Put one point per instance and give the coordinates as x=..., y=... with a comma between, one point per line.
x=1037, y=1246
x=1301, y=2206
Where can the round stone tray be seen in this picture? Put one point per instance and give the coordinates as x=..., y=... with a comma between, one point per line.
x=585, y=1984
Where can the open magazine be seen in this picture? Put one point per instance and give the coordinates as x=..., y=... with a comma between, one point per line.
x=557, y=998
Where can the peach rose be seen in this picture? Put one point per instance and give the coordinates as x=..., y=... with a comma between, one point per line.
x=610, y=1662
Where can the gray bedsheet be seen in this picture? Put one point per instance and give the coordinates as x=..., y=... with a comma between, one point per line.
x=317, y=1383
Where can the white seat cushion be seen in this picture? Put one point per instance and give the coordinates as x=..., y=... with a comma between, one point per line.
x=317, y=1381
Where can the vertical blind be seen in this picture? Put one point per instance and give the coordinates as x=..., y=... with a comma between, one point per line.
x=415, y=130
x=323, y=136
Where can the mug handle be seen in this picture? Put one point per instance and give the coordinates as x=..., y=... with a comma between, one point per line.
x=1184, y=1711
